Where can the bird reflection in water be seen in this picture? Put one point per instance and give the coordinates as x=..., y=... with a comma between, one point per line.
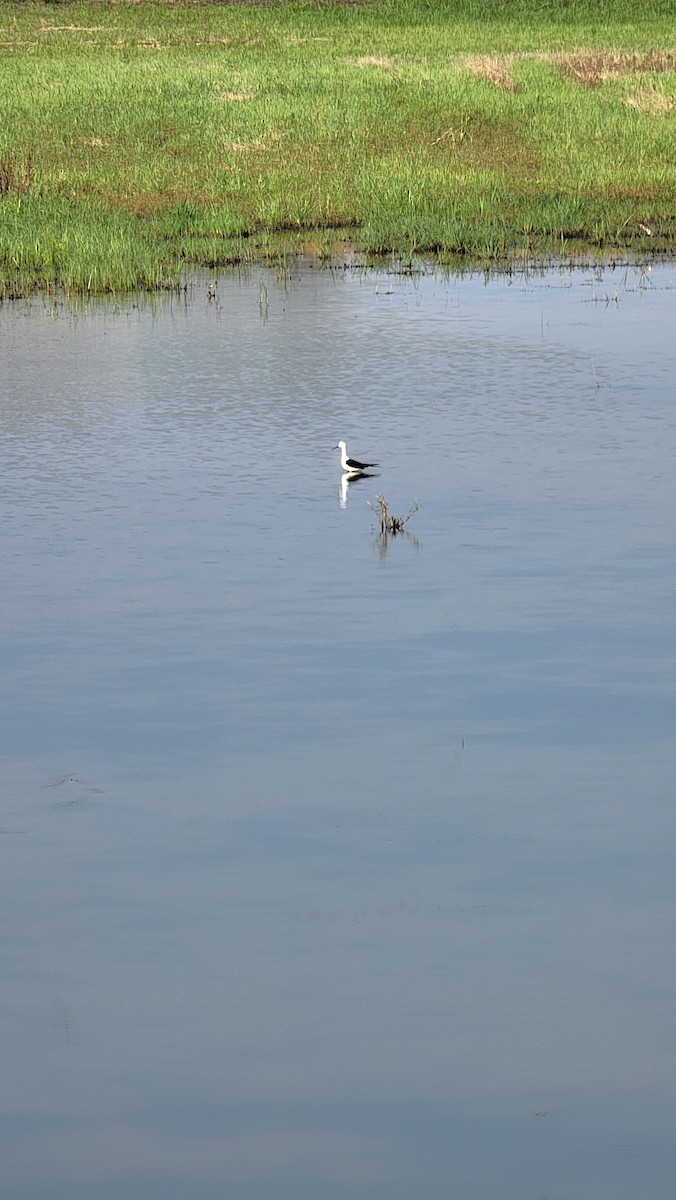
x=348, y=478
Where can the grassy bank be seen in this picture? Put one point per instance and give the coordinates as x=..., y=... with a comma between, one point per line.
x=138, y=138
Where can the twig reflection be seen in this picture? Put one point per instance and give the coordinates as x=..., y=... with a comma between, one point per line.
x=383, y=539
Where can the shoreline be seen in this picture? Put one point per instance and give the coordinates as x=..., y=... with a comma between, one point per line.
x=141, y=141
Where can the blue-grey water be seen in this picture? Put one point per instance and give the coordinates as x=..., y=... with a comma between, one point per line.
x=336, y=868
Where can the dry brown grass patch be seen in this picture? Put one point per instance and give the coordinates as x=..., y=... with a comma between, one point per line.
x=245, y=147
x=492, y=68
x=235, y=97
x=16, y=174
x=651, y=101
x=587, y=67
x=371, y=60
x=593, y=67
x=45, y=28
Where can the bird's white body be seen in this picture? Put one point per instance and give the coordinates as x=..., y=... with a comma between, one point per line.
x=351, y=465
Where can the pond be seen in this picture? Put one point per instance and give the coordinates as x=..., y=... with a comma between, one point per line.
x=337, y=865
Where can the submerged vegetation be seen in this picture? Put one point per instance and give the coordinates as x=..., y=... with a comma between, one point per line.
x=137, y=139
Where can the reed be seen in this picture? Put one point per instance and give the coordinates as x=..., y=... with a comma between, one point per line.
x=138, y=140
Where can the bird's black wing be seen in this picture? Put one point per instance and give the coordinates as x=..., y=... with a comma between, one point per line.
x=354, y=465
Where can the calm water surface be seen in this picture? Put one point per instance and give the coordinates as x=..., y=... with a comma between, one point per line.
x=335, y=869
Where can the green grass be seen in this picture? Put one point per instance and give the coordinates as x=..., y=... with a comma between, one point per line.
x=138, y=139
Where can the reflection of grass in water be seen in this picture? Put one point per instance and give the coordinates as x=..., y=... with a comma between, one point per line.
x=136, y=139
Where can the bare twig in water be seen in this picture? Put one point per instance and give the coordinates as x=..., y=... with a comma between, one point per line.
x=388, y=523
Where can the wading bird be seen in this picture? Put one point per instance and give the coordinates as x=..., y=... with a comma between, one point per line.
x=352, y=465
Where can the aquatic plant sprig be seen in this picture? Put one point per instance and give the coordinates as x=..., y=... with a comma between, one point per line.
x=390, y=524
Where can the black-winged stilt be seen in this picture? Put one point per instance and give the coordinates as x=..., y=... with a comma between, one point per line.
x=352, y=465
